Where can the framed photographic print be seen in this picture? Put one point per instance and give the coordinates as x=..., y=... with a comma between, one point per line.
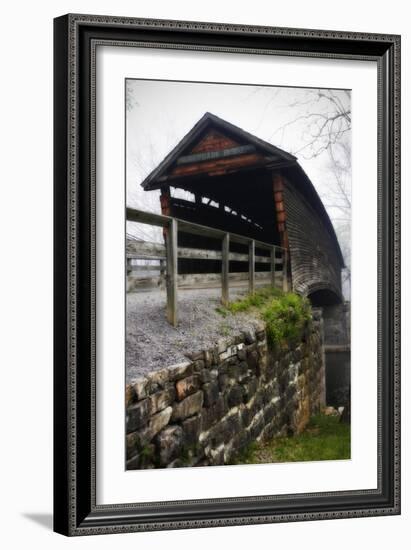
x=226, y=275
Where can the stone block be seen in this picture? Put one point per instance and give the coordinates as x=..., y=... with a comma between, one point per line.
x=191, y=430
x=133, y=444
x=176, y=463
x=187, y=386
x=198, y=366
x=169, y=443
x=229, y=352
x=204, y=376
x=215, y=455
x=250, y=388
x=143, y=460
x=256, y=426
x=233, y=425
x=157, y=422
x=211, y=392
x=222, y=345
x=141, y=388
x=224, y=382
x=130, y=395
x=158, y=379
x=208, y=358
x=180, y=370
x=212, y=414
x=161, y=399
x=239, y=372
x=235, y=395
x=252, y=361
x=137, y=415
x=269, y=412
x=194, y=356
x=188, y=406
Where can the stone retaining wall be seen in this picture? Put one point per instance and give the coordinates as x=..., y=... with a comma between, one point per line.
x=204, y=411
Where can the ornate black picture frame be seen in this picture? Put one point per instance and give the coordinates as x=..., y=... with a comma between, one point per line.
x=75, y=41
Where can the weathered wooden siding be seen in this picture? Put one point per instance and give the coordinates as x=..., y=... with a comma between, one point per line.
x=214, y=141
x=314, y=259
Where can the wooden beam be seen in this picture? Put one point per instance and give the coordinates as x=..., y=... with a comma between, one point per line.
x=146, y=250
x=149, y=218
x=251, y=267
x=225, y=252
x=172, y=272
x=201, y=280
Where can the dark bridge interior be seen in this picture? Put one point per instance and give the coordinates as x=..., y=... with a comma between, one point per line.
x=324, y=297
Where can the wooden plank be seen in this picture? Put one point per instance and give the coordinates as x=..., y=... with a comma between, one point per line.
x=204, y=280
x=225, y=295
x=273, y=260
x=225, y=165
x=251, y=267
x=135, y=249
x=145, y=268
x=285, y=274
x=156, y=251
x=149, y=218
x=172, y=272
x=210, y=155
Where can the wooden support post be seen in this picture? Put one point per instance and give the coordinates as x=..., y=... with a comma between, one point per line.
x=285, y=273
x=172, y=272
x=225, y=253
x=162, y=271
x=273, y=281
x=251, y=267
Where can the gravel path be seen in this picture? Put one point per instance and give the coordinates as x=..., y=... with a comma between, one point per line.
x=152, y=343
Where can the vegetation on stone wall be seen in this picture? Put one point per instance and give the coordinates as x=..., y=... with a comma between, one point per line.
x=325, y=438
x=286, y=314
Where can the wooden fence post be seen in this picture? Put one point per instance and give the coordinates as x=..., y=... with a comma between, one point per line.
x=171, y=242
x=251, y=267
x=162, y=271
x=225, y=254
x=285, y=273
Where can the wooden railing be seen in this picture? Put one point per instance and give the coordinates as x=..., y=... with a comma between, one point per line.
x=168, y=255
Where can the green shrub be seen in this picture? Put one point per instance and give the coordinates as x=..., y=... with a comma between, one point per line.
x=286, y=318
x=285, y=315
x=256, y=300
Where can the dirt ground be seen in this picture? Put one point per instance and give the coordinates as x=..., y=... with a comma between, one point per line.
x=152, y=343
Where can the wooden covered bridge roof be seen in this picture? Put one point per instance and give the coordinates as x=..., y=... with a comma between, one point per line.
x=215, y=147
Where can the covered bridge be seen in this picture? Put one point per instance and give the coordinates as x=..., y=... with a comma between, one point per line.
x=241, y=184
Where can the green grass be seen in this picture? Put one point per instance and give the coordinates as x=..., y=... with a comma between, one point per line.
x=325, y=438
x=286, y=315
x=258, y=300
